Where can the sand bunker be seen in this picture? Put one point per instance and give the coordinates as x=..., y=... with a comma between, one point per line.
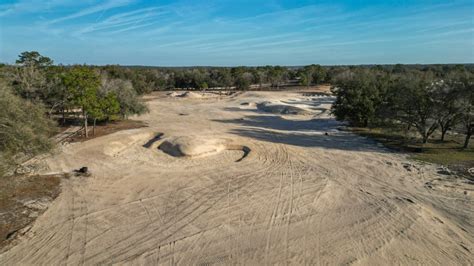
x=281, y=109
x=192, y=146
x=198, y=146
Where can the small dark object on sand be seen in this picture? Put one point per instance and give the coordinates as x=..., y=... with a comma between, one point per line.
x=326, y=134
x=83, y=171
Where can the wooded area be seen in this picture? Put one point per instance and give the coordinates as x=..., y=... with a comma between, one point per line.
x=425, y=101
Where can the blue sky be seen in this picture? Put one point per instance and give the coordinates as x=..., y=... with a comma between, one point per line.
x=239, y=32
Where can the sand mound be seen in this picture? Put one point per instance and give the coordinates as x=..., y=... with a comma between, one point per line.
x=186, y=94
x=248, y=105
x=174, y=94
x=190, y=94
x=281, y=109
x=192, y=146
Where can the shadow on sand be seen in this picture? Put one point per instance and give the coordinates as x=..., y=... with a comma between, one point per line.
x=307, y=133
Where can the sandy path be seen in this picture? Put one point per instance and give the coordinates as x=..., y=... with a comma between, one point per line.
x=299, y=197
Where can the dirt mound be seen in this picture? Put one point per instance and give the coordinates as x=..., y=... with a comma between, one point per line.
x=281, y=109
x=192, y=146
x=186, y=94
x=175, y=94
x=190, y=94
x=248, y=105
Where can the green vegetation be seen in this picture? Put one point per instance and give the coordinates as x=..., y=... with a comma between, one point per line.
x=123, y=92
x=447, y=152
x=424, y=112
x=411, y=99
x=35, y=95
x=24, y=129
x=313, y=74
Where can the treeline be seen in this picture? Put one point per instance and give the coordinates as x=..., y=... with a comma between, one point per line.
x=422, y=100
x=147, y=79
x=36, y=96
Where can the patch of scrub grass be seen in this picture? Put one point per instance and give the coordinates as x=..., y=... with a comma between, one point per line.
x=448, y=153
x=445, y=153
x=14, y=192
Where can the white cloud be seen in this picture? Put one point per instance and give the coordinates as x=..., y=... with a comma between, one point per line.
x=30, y=6
x=93, y=9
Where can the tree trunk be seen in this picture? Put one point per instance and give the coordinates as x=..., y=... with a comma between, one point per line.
x=425, y=139
x=85, y=125
x=93, y=128
x=468, y=137
x=64, y=116
x=443, y=133
x=445, y=127
x=425, y=136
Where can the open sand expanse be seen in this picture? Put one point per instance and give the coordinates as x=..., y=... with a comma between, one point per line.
x=250, y=178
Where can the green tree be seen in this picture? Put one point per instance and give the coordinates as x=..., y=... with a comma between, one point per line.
x=306, y=75
x=83, y=84
x=448, y=108
x=127, y=97
x=225, y=78
x=242, y=82
x=203, y=86
x=319, y=74
x=358, y=97
x=276, y=75
x=104, y=108
x=466, y=101
x=412, y=103
x=33, y=58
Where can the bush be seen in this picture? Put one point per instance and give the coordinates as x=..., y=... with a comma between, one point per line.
x=24, y=130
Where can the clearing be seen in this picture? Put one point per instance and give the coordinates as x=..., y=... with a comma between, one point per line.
x=247, y=178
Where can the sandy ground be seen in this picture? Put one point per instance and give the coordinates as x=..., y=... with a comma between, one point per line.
x=298, y=197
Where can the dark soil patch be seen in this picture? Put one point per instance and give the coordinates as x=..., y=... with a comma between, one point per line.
x=22, y=200
x=104, y=129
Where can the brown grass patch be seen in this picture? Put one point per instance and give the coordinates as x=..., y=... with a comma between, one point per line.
x=104, y=129
x=22, y=200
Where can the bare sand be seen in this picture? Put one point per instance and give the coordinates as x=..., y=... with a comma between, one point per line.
x=266, y=188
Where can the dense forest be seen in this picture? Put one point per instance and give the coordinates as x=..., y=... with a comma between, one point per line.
x=36, y=96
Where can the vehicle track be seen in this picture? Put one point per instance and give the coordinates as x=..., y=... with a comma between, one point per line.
x=298, y=197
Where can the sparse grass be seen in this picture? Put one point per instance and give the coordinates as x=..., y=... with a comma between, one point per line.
x=14, y=191
x=448, y=153
x=445, y=153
